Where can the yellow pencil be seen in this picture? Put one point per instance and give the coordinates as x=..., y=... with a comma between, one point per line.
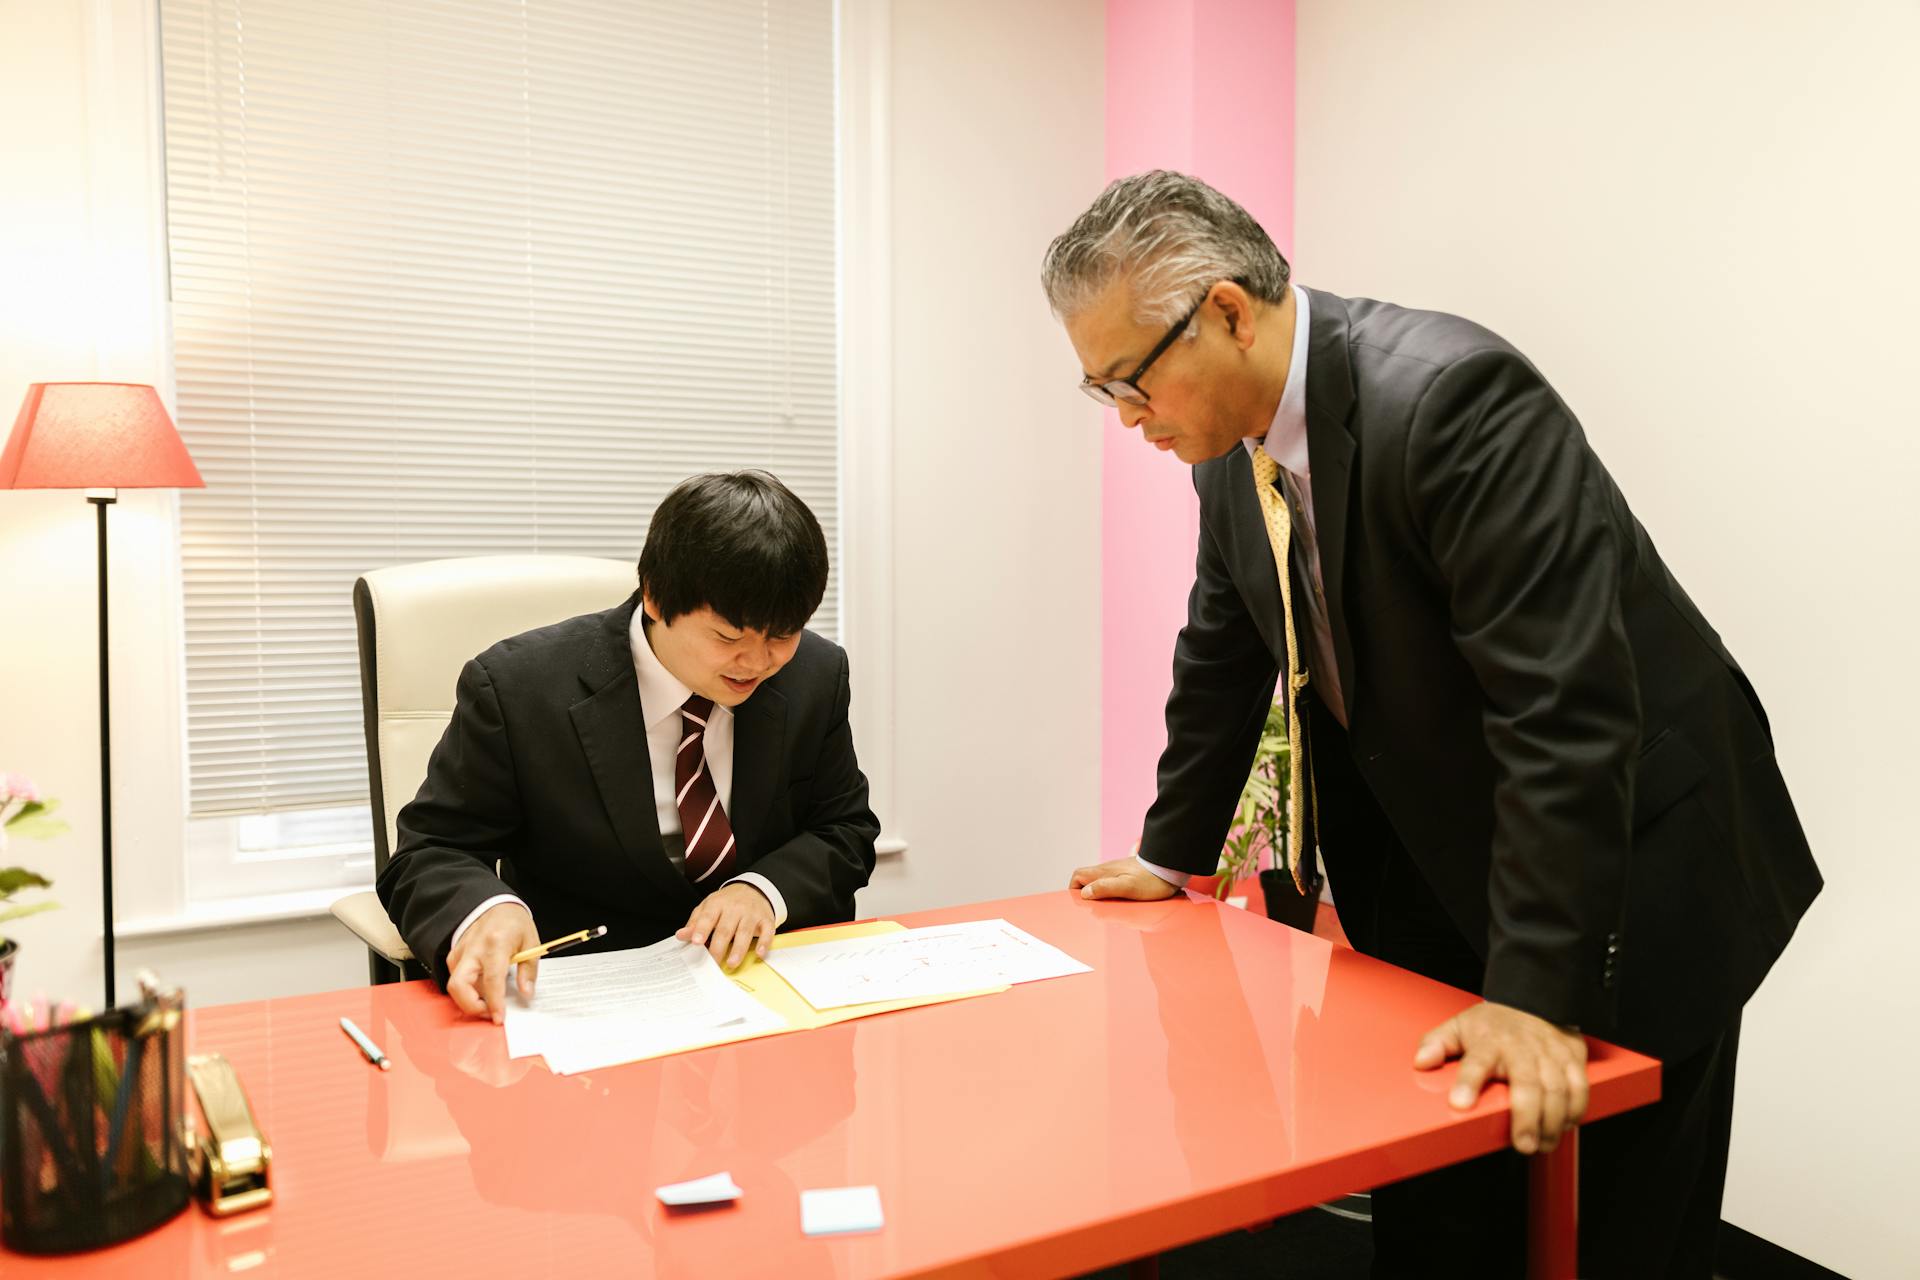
x=533, y=953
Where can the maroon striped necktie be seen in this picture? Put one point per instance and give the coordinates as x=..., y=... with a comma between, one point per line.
x=703, y=822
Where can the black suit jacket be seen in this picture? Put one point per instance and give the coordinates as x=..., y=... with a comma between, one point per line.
x=1558, y=738
x=544, y=766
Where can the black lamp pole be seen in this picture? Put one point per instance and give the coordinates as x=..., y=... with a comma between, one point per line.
x=101, y=437
x=100, y=503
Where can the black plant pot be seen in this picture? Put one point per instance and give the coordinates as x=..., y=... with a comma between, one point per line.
x=1285, y=903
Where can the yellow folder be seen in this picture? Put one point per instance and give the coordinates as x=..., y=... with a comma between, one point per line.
x=758, y=979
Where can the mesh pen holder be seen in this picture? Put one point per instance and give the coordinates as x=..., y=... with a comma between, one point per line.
x=91, y=1143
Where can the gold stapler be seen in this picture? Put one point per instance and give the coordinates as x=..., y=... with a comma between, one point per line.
x=231, y=1159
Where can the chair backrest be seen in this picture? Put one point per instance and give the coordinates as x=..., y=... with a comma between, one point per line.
x=420, y=623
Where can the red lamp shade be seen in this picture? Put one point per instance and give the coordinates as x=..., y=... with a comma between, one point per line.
x=95, y=435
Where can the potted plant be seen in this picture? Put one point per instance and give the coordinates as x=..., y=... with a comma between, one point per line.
x=23, y=812
x=1260, y=830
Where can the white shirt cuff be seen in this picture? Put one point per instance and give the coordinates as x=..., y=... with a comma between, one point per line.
x=481, y=910
x=1178, y=879
x=765, y=886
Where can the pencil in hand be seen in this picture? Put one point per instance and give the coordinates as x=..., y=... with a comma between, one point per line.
x=545, y=948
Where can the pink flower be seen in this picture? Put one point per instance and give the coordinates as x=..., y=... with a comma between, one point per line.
x=17, y=786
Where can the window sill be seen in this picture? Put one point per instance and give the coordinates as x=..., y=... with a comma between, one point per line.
x=306, y=904
x=232, y=913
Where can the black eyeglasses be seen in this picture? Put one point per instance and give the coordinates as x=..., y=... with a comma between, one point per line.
x=1126, y=390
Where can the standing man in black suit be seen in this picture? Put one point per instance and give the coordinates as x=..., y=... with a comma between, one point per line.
x=1532, y=768
x=679, y=765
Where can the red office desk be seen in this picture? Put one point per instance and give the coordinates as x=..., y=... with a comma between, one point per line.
x=1213, y=1071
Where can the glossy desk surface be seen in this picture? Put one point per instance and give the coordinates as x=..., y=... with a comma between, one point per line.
x=1213, y=1071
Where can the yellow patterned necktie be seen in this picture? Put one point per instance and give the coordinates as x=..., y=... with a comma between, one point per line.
x=1280, y=533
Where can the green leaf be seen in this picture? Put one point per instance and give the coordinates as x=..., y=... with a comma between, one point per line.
x=14, y=879
x=1260, y=815
x=30, y=909
x=36, y=821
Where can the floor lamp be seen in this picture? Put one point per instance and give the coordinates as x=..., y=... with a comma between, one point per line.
x=101, y=437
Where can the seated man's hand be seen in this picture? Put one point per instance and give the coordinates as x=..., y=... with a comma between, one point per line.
x=729, y=920
x=1545, y=1068
x=479, y=962
x=1121, y=878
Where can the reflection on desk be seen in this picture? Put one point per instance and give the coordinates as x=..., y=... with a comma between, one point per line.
x=1213, y=1071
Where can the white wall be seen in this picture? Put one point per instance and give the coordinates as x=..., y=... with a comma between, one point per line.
x=996, y=142
x=998, y=139
x=1699, y=220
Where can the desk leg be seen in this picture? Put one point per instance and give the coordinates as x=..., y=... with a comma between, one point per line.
x=1553, y=1211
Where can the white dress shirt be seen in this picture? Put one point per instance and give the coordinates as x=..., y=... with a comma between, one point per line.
x=661, y=697
x=1286, y=443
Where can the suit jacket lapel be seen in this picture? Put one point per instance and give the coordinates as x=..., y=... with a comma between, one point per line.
x=1330, y=455
x=613, y=734
x=759, y=732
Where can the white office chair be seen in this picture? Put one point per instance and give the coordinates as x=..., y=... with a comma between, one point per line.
x=418, y=625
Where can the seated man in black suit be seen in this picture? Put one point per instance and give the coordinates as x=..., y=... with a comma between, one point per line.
x=679, y=765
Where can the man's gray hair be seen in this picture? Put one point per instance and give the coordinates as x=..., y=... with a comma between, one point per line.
x=1172, y=237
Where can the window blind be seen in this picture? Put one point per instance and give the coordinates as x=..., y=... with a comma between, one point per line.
x=462, y=277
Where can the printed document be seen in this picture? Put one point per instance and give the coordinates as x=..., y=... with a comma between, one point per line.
x=935, y=960
x=619, y=1006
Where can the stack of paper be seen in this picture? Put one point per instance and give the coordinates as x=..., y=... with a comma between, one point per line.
x=596, y=1010
x=601, y=1010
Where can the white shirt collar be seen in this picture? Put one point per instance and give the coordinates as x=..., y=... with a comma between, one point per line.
x=661, y=693
x=1286, y=441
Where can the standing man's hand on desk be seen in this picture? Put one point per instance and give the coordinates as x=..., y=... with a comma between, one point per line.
x=1545, y=1068
x=1121, y=878
x=481, y=957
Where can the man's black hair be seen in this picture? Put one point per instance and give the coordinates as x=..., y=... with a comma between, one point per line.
x=740, y=544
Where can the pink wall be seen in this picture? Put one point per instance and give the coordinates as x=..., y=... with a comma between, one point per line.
x=1205, y=87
